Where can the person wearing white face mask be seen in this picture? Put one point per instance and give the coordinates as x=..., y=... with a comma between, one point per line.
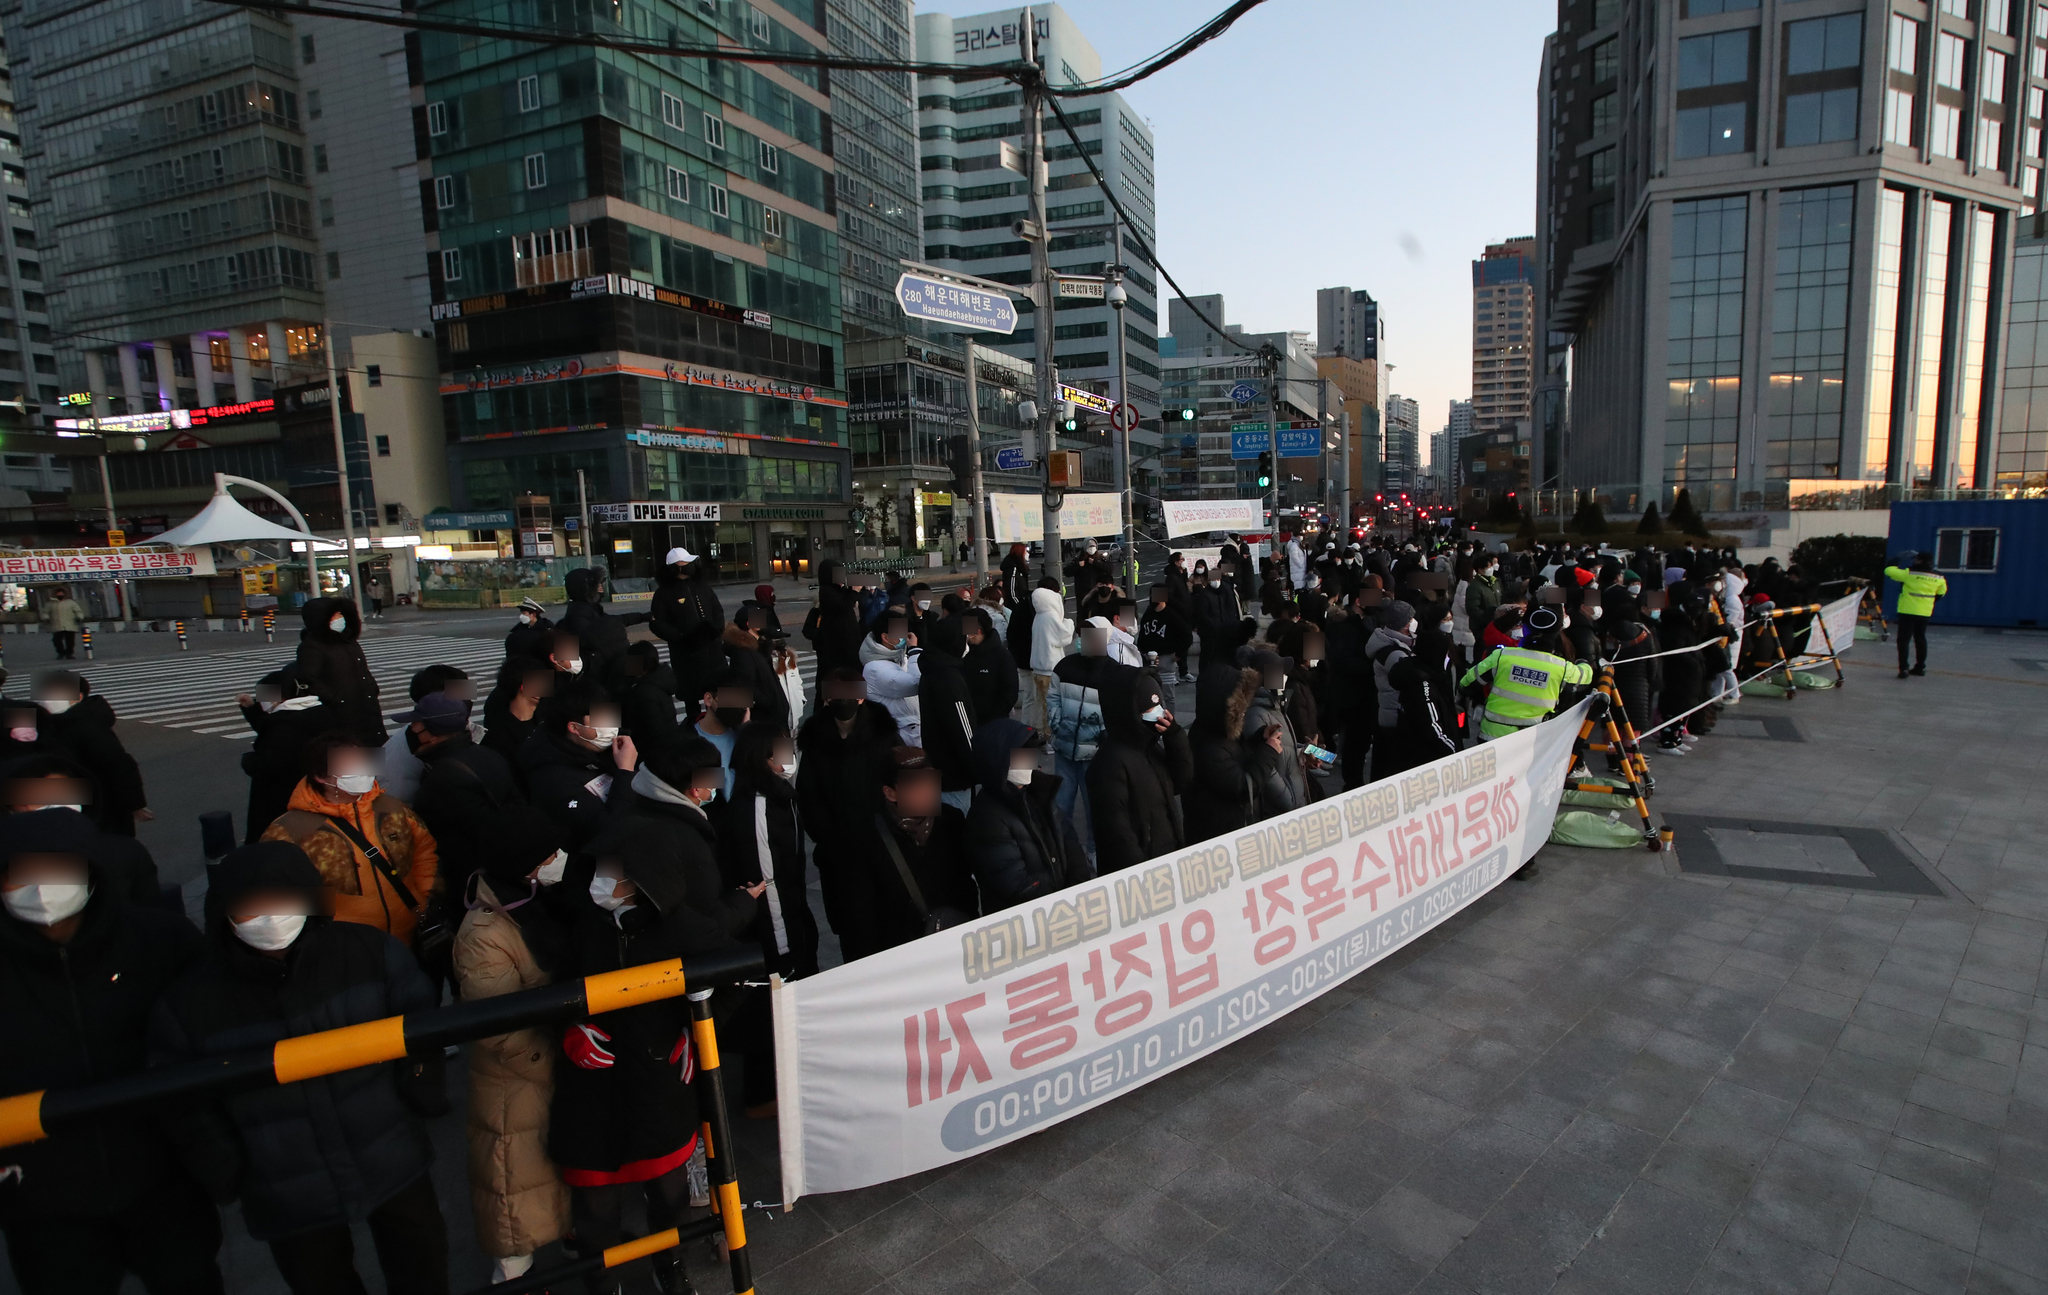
x=80, y=973
x=66, y=725
x=1137, y=775
x=1019, y=844
x=285, y=715
x=624, y=1121
x=307, y=1159
x=378, y=860
x=330, y=659
x=577, y=763
x=515, y=936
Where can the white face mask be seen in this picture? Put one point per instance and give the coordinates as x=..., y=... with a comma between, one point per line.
x=338, y=624
x=1021, y=777
x=1593, y=611
x=787, y=767
x=1444, y=626
x=271, y=931
x=267, y=706
x=526, y=618
x=56, y=706
x=551, y=872
x=1154, y=715
x=924, y=604
x=355, y=784
x=1412, y=627
x=604, y=733
x=1635, y=589
x=575, y=666
x=45, y=905
x=601, y=889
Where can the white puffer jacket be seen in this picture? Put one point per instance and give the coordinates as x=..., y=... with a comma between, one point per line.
x=1051, y=632
x=892, y=677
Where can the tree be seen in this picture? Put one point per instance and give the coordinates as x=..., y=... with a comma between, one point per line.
x=1685, y=518
x=1826, y=559
x=1651, y=524
x=1527, y=530
x=1503, y=509
x=1589, y=519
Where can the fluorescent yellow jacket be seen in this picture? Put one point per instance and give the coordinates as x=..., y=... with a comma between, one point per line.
x=1525, y=686
x=1917, y=590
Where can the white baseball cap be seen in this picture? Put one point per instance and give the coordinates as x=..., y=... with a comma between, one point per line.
x=1097, y=622
x=676, y=555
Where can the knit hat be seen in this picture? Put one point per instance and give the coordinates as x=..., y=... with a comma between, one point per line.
x=1396, y=614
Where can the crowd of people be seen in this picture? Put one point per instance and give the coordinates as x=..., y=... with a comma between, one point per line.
x=604, y=802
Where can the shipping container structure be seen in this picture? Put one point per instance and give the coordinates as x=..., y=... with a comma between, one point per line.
x=1993, y=552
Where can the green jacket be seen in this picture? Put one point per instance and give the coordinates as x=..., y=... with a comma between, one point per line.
x=1482, y=598
x=1917, y=590
x=1523, y=685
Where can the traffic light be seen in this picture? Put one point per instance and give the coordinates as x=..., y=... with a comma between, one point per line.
x=1265, y=469
x=1184, y=415
x=1070, y=426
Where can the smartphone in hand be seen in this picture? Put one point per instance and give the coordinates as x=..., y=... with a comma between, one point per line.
x=1318, y=754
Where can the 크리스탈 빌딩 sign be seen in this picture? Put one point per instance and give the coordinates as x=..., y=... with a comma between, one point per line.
x=934, y=1051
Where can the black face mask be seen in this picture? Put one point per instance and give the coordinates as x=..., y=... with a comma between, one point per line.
x=842, y=707
x=730, y=716
x=412, y=741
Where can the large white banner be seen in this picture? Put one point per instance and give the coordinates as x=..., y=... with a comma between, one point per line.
x=1840, y=616
x=1192, y=516
x=1018, y=519
x=969, y=1038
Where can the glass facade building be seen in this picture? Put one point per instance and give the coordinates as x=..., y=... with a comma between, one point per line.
x=636, y=265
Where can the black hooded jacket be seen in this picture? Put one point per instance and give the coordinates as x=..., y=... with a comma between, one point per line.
x=276, y=762
x=1228, y=774
x=332, y=663
x=946, y=706
x=878, y=907
x=463, y=788
x=319, y=1152
x=991, y=678
x=1428, y=725
x=601, y=635
x=758, y=835
x=648, y=709
x=833, y=625
x=1022, y=847
x=639, y=1109
x=76, y=1014
x=687, y=617
x=1135, y=780
x=92, y=745
x=524, y=640
x=559, y=774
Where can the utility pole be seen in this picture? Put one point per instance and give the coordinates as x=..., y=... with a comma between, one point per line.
x=1344, y=473
x=583, y=514
x=348, y=526
x=1042, y=290
x=977, y=516
x=1117, y=299
x=1322, y=426
x=1271, y=356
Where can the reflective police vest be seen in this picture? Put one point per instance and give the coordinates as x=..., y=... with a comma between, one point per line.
x=1525, y=684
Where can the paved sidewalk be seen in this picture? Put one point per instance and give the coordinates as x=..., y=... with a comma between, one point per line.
x=1620, y=1077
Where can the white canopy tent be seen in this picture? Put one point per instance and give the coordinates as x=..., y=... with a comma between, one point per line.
x=223, y=521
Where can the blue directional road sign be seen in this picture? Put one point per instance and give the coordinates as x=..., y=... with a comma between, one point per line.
x=955, y=305
x=1011, y=459
x=1249, y=441
x=1244, y=393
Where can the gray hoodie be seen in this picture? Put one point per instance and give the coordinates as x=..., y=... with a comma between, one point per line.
x=1385, y=649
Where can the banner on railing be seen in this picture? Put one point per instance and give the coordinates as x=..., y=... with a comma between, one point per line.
x=1840, y=616
x=969, y=1038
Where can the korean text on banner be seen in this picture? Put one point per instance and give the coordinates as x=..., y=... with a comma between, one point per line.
x=133, y=562
x=1840, y=617
x=966, y=1039
x=1190, y=517
x=1018, y=519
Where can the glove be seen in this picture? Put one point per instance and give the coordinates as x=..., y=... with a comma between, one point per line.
x=584, y=1045
x=685, y=1054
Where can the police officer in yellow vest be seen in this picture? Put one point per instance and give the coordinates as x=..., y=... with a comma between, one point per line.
x=1918, y=588
x=1524, y=682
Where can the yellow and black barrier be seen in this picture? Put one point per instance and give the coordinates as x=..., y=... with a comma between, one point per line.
x=1606, y=703
x=720, y=1159
x=30, y=1117
x=619, y=1255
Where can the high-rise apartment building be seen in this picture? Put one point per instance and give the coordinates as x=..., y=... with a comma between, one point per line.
x=1206, y=371
x=874, y=159
x=1503, y=333
x=636, y=273
x=1403, y=434
x=1460, y=421
x=212, y=185
x=971, y=202
x=1778, y=242
x=1347, y=323
x=28, y=360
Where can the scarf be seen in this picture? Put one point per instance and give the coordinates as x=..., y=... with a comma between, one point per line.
x=645, y=783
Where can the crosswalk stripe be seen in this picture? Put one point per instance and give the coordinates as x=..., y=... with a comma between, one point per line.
x=197, y=692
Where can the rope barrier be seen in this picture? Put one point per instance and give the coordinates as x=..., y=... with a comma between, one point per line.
x=31, y=1117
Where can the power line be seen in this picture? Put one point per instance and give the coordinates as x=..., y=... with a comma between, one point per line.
x=1167, y=58
x=1138, y=241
